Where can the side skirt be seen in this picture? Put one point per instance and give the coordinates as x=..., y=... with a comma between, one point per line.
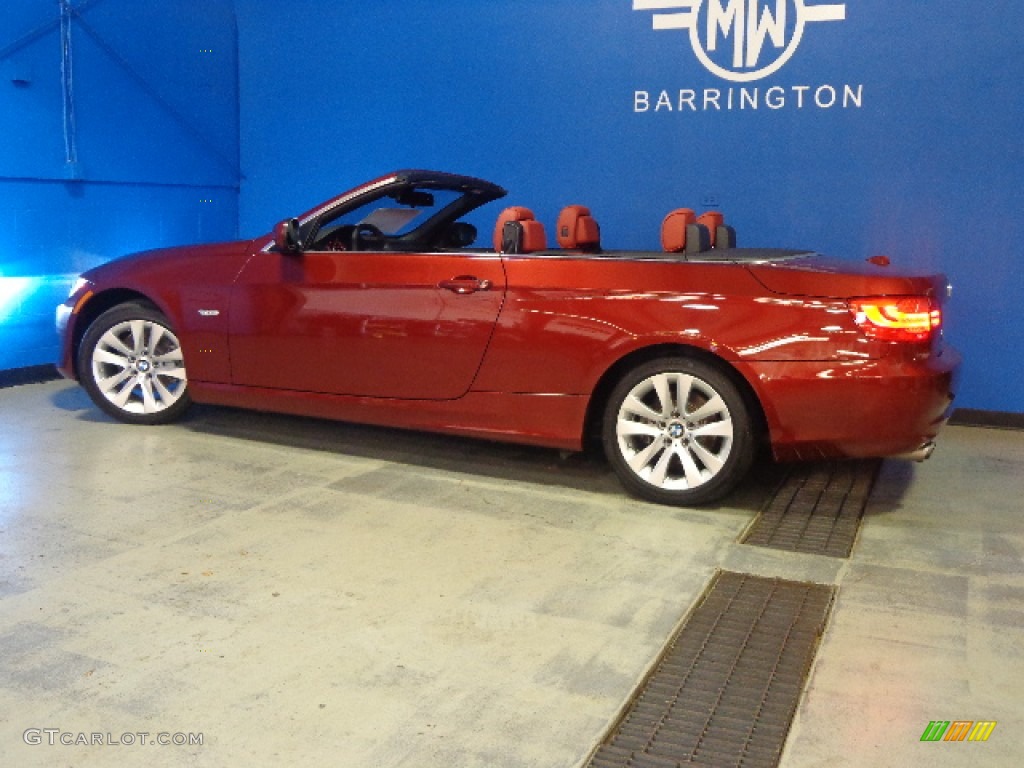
x=554, y=421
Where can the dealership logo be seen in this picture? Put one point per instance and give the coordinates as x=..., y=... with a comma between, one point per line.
x=741, y=40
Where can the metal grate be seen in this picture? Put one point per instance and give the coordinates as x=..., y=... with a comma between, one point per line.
x=726, y=689
x=817, y=510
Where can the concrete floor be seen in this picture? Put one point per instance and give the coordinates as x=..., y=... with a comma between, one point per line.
x=308, y=593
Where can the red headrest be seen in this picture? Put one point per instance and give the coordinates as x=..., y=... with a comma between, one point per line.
x=712, y=220
x=673, y=229
x=533, y=237
x=578, y=229
x=515, y=213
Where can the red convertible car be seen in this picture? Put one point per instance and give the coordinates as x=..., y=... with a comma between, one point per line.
x=377, y=307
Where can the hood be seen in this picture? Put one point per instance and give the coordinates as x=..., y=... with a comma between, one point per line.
x=217, y=262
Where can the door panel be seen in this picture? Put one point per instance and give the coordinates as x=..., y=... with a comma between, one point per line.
x=395, y=325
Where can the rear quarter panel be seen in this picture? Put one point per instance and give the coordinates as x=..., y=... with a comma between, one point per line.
x=566, y=321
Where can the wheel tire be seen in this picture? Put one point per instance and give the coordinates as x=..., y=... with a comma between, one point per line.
x=678, y=431
x=131, y=364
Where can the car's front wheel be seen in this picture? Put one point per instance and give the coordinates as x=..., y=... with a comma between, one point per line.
x=678, y=431
x=130, y=362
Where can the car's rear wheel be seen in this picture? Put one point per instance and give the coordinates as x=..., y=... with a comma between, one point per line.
x=130, y=362
x=678, y=431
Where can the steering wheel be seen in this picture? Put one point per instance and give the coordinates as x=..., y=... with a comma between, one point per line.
x=366, y=233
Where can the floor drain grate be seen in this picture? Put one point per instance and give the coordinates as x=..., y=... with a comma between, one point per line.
x=817, y=510
x=726, y=689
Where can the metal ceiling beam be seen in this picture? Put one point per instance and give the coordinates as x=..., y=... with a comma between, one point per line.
x=142, y=83
x=44, y=29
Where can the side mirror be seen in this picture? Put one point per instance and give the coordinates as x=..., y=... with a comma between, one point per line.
x=286, y=236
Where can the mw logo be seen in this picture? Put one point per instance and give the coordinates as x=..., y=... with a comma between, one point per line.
x=958, y=730
x=741, y=40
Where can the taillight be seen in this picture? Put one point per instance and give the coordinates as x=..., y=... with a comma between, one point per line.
x=897, y=318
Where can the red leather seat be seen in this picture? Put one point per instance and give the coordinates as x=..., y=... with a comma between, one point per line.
x=578, y=230
x=712, y=220
x=720, y=234
x=518, y=231
x=674, y=229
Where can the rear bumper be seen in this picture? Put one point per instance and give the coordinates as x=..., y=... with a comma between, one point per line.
x=886, y=407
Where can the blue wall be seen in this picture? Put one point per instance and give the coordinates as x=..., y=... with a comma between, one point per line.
x=919, y=155
x=139, y=149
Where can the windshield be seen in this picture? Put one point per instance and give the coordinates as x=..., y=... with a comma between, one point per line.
x=401, y=219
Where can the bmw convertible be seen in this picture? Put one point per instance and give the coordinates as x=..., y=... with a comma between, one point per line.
x=381, y=307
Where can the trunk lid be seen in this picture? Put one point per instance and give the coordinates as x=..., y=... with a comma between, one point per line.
x=823, y=276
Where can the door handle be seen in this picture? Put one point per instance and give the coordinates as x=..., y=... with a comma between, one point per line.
x=464, y=284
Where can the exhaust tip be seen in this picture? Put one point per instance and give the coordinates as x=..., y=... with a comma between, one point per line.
x=920, y=454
